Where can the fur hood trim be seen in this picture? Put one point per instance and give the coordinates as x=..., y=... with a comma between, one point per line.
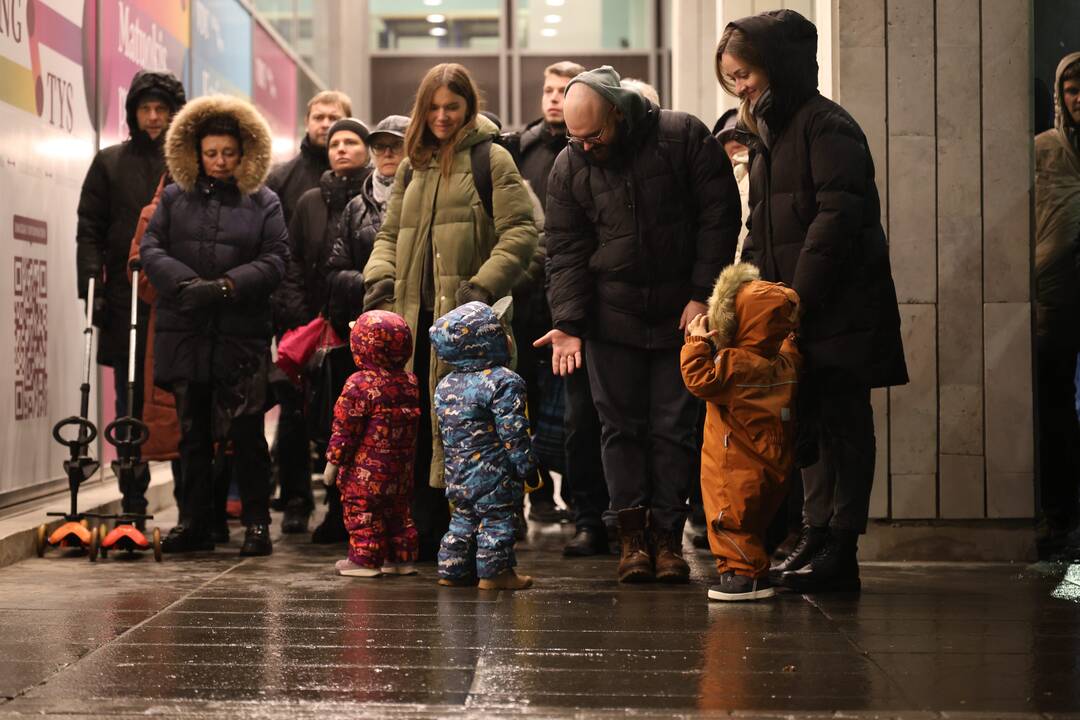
x=182, y=156
x=722, y=301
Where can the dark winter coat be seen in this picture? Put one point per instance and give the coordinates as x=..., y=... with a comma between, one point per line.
x=213, y=229
x=1057, y=223
x=357, y=228
x=633, y=240
x=312, y=232
x=536, y=149
x=120, y=183
x=815, y=220
x=377, y=417
x=291, y=179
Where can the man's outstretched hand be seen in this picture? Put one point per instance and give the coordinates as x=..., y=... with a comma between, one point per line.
x=691, y=311
x=565, y=351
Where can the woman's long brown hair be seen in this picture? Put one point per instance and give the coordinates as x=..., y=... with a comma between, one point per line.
x=735, y=42
x=420, y=143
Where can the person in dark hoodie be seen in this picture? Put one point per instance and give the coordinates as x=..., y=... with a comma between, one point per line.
x=121, y=181
x=642, y=215
x=1057, y=293
x=215, y=250
x=815, y=226
x=303, y=295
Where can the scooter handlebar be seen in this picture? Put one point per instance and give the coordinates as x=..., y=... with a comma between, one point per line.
x=82, y=424
x=138, y=432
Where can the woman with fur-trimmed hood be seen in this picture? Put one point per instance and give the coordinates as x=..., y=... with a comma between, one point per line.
x=742, y=360
x=215, y=250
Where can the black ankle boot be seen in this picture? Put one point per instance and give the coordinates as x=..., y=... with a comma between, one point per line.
x=257, y=541
x=185, y=539
x=834, y=568
x=332, y=529
x=810, y=542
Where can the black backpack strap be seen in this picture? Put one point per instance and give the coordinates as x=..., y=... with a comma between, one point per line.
x=480, y=156
x=408, y=175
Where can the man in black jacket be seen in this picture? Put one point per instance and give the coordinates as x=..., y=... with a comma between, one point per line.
x=293, y=178
x=642, y=215
x=120, y=183
x=290, y=180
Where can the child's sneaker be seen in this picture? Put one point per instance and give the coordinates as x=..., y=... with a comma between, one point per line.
x=398, y=569
x=506, y=580
x=348, y=568
x=736, y=588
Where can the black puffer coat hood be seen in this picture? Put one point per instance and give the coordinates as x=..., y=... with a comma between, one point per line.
x=787, y=42
x=161, y=85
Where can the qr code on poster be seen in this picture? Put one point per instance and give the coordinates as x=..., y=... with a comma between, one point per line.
x=31, y=339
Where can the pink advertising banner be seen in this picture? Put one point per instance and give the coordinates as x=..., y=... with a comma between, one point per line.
x=138, y=35
x=275, y=91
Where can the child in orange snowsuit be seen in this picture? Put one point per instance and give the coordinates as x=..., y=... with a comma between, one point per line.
x=742, y=360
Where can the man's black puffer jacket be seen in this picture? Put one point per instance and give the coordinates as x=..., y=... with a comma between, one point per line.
x=815, y=214
x=632, y=241
x=292, y=178
x=312, y=233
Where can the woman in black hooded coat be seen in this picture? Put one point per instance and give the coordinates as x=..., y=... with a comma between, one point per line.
x=214, y=251
x=815, y=224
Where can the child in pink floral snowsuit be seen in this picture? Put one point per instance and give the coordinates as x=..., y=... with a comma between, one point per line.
x=372, y=448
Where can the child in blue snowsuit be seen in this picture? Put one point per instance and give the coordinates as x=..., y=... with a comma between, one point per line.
x=481, y=410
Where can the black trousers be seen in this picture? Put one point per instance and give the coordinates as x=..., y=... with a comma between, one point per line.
x=430, y=510
x=250, y=458
x=649, y=421
x=1059, y=434
x=836, y=489
x=294, y=452
x=584, y=464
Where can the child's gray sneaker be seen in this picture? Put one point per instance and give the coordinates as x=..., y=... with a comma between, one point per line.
x=739, y=588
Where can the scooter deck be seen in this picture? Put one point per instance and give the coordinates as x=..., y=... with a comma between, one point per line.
x=126, y=537
x=71, y=534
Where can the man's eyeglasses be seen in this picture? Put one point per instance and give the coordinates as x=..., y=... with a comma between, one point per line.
x=384, y=148
x=597, y=139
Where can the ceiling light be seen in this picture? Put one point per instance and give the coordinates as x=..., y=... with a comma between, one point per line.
x=434, y=3
x=438, y=31
x=553, y=19
x=556, y=3
x=436, y=18
x=549, y=32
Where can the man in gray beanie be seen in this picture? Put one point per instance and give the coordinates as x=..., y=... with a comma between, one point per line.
x=642, y=215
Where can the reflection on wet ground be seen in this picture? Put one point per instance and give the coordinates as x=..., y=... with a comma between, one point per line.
x=216, y=636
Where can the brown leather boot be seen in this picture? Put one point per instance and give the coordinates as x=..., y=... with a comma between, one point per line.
x=667, y=548
x=635, y=564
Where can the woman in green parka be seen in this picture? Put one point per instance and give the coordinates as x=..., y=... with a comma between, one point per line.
x=438, y=248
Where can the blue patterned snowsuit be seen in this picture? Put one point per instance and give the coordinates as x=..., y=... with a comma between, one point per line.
x=481, y=411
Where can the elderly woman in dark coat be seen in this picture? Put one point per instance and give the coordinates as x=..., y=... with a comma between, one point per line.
x=815, y=225
x=215, y=250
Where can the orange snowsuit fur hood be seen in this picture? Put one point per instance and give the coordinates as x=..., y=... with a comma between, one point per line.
x=748, y=374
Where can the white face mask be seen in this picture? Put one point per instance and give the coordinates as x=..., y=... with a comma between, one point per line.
x=742, y=157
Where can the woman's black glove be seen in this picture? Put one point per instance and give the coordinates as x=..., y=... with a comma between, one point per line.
x=471, y=292
x=378, y=294
x=199, y=294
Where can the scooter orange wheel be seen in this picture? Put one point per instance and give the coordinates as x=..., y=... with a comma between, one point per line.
x=157, y=544
x=39, y=539
x=95, y=541
x=102, y=532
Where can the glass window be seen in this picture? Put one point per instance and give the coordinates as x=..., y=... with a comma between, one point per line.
x=532, y=75
x=395, y=80
x=583, y=24
x=413, y=25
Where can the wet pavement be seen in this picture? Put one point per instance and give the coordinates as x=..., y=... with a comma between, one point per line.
x=218, y=636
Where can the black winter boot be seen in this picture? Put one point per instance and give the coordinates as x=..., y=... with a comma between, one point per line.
x=257, y=541
x=810, y=542
x=834, y=568
x=332, y=529
x=185, y=539
x=587, y=541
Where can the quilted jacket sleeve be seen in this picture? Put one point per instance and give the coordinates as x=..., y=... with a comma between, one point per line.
x=257, y=279
x=165, y=272
x=508, y=406
x=706, y=378
x=514, y=227
x=716, y=196
x=349, y=423
x=570, y=243
x=93, y=225
x=382, y=265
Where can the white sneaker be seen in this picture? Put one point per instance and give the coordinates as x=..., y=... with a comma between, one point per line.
x=348, y=568
x=398, y=569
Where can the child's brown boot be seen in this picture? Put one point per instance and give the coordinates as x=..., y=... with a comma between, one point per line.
x=457, y=582
x=507, y=580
